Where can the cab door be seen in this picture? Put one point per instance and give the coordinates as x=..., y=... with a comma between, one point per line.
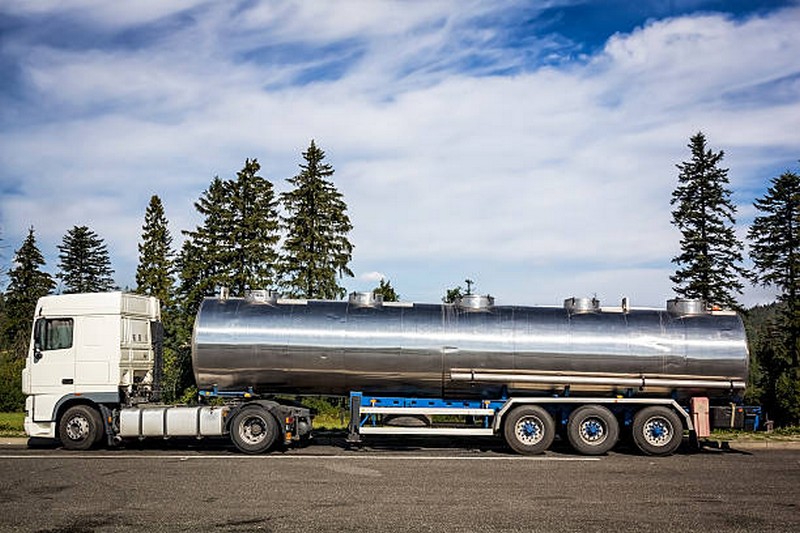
x=51, y=364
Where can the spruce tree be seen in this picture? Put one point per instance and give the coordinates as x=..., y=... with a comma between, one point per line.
x=709, y=265
x=386, y=290
x=316, y=250
x=155, y=269
x=233, y=247
x=775, y=238
x=84, y=264
x=775, y=251
x=205, y=256
x=255, y=230
x=27, y=283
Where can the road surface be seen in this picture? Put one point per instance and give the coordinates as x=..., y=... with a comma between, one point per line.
x=394, y=488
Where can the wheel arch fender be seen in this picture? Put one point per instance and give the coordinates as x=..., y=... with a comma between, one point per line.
x=269, y=406
x=93, y=400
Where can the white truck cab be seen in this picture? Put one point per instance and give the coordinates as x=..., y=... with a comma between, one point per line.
x=87, y=349
x=93, y=372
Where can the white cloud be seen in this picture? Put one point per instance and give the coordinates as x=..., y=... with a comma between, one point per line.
x=371, y=277
x=547, y=182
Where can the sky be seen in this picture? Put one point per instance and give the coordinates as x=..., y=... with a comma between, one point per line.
x=529, y=146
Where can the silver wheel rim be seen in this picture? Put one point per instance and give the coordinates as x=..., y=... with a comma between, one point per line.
x=529, y=430
x=253, y=430
x=592, y=430
x=77, y=428
x=657, y=431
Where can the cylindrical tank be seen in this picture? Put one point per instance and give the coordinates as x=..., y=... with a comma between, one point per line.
x=472, y=350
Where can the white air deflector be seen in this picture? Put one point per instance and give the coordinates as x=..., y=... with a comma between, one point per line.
x=475, y=302
x=684, y=307
x=580, y=306
x=365, y=299
x=261, y=296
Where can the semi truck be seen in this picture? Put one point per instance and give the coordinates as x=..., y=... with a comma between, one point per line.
x=588, y=373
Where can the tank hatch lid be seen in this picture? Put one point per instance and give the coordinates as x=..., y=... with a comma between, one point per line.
x=365, y=299
x=682, y=307
x=475, y=302
x=261, y=296
x=580, y=306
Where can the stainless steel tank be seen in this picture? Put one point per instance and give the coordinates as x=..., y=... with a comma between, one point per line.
x=474, y=349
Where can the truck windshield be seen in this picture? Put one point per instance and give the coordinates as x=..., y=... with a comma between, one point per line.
x=54, y=333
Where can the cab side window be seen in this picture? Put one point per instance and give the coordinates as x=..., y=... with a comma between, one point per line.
x=53, y=333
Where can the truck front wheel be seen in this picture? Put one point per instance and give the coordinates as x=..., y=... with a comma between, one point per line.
x=80, y=427
x=253, y=430
x=529, y=429
x=657, y=431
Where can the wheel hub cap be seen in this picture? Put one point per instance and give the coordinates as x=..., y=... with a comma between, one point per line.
x=529, y=430
x=77, y=428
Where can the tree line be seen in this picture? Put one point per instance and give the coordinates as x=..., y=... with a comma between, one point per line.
x=244, y=242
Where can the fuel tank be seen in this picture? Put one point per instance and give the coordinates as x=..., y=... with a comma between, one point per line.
x=469, y=349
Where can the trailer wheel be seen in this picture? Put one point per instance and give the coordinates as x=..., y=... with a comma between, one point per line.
x=529, y=429
x=657, y=431
x=253, y=430
x=592, y=430
x=80, y=427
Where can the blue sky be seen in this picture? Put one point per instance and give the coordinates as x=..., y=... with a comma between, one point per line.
x=529, y=146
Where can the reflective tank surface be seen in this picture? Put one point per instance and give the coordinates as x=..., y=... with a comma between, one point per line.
x=438, y=350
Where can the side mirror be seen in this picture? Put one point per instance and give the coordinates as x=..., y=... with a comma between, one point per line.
x=37, y=352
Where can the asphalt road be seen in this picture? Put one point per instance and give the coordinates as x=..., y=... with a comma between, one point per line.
x=393, y=488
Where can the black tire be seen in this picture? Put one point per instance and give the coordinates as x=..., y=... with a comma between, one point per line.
x=253, y=430
x=592, y=430
x=80, y=427
x=529, y=429
x=407, y=421
x=657, y=431
x=101, y=427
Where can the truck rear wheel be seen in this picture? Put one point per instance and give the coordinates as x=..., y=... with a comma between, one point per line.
x=592, y=430
x=80, y=428
x=529, y=429
x=657, y=431
x=253, y=429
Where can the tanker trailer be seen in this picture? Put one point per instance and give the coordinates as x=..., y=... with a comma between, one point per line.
x=474, y=368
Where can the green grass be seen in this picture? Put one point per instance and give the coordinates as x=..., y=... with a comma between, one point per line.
x=330, y=421
x=781, y=434
x=11, y=424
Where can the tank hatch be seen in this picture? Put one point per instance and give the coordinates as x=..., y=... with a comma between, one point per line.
x=365, y=299
x=261, y=296
x=682, y=307
x=475, y=302
x=581, y=306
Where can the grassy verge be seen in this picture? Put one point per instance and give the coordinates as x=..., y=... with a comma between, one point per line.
x=780, y=434
x=11, y=424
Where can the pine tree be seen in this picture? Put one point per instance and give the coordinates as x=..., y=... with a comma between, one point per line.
x=453, y=295
x=386, y=290
x=155, y=269
x=233, y=247
x=317, y=250
x=84, y=264
x=27, y=283
x=709, y=265
x=775, y=250
x=256, y=230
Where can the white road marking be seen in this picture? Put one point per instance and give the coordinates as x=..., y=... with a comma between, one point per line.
x=308, y=457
